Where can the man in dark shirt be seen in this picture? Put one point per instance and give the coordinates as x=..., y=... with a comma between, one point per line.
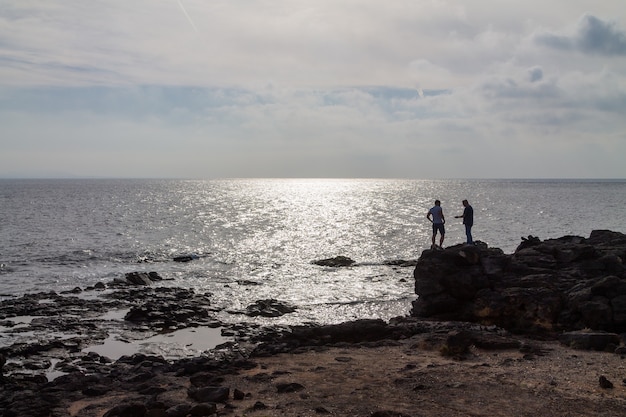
x=468, y=221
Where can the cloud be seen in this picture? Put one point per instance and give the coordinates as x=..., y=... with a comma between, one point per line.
x=535, y=74
x=411, y=88
x=592, y=36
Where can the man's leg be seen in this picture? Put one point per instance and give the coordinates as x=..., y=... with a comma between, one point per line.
x=442, y=230
x=468, y=233
x=434, y=235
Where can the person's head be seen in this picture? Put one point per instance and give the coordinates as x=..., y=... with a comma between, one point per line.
x=465, y=203
x=437, y=202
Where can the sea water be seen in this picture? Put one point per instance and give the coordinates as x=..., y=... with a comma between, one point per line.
x=256, y=238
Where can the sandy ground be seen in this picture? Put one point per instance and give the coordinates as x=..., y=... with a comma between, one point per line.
x=408, y=379
x=412, y=378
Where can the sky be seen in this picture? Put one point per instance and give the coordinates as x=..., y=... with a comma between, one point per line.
x=313, y=88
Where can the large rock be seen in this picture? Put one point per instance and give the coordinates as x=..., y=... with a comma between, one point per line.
x=269, y=308
x=337, y=261
x=142, y=278
x=569, y=283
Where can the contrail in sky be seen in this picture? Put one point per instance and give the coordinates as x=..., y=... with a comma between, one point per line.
x=187, y=16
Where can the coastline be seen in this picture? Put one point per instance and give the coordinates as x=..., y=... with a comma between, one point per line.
x=453, y=356
x=405, y=373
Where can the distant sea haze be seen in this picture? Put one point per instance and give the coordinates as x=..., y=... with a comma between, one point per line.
x=59, y=234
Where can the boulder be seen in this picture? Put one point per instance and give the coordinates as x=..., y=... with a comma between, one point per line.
x=186, y=258
x=209, y=394
x=565, y=284
x=335, y=262
x=269, y=308
x=142, y=278
x=590, y=340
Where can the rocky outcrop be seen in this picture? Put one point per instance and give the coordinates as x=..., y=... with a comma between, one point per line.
x=335, y=262
x=573, y=285
x=141, y=278
x=269, y=308
x=169, y=308
x=186, y=258
x=569, y=283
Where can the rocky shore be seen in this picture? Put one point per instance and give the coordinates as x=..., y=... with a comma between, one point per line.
x=537, y=331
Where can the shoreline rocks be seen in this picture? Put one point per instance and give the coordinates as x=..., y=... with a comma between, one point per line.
x=564, y=284
x=570, y=289
x=336, y=262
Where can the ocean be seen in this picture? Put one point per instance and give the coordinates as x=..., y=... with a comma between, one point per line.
x=257, y=238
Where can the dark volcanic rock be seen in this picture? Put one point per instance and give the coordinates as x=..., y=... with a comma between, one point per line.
x=401, y=263
x=605, y=383
x=168, y=308
x=209, y=394
x=359, y=331
x=568, y=283
x=590, y=340
x=186, y=258
x=337, y=261
x=137, y=278
x=269, y=308
x=131, y=410
x=289, y=387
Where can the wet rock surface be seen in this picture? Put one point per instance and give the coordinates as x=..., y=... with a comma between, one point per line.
x=337, y=261
x=269, y=308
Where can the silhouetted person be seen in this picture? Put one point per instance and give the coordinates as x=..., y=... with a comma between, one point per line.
x=435, y=215
x=468, y=221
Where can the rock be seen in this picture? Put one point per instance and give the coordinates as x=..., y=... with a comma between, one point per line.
x=289, y=387
x=528, y=242
x=96, y=390
x=269, y=308
x=259, y=406
x=457, y=344
x=337, y=261
x=238, y=395
x=209, y=394
x=590, y=340
x=132, y=410
x=186, y=258
x=205, y=379
x=203, y=409
x=75, y=290
x=179, y=410
x=401, y=263
x=563, y=284
x=169, y=308
x=142, y=278
x=605, y=383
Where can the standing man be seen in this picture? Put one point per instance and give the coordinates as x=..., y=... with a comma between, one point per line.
x=468, y=220
x=435, y=216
